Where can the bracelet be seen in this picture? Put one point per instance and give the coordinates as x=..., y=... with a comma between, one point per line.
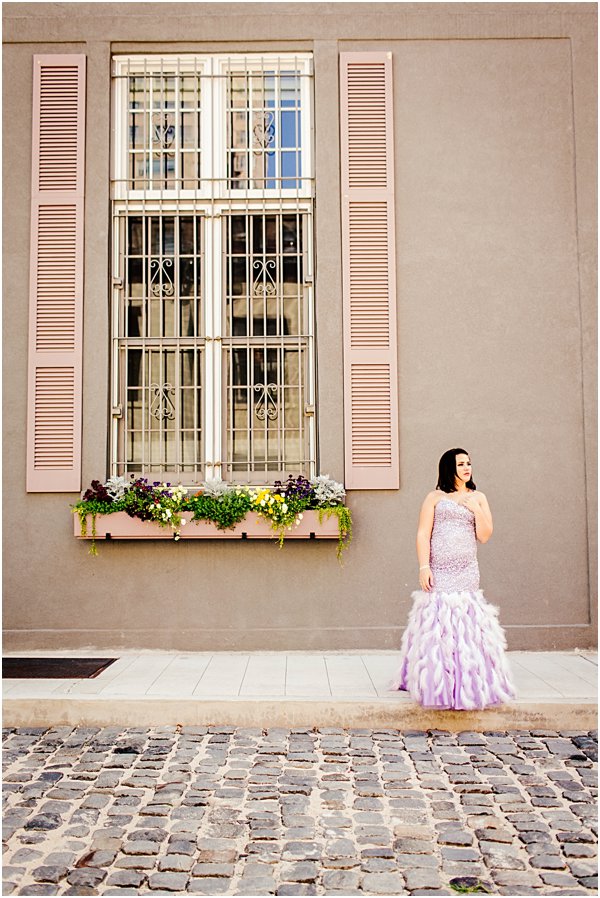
x=423, y=566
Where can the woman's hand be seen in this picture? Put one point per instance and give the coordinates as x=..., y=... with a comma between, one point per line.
x=471, y=502
x=478, y=504
x=425, y=579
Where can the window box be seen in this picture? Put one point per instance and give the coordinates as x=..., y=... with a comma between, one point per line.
x=120, y=526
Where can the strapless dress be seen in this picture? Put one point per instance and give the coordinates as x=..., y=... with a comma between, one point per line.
x=453, y=649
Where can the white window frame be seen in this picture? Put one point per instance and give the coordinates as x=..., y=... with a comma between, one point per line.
x=213, y=142
x=213, y=200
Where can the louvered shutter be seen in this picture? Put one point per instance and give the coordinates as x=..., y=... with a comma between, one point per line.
x=56, y=275
x=369, y=281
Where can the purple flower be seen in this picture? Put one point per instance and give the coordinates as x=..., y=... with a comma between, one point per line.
x=298, y=488
x=97, y=492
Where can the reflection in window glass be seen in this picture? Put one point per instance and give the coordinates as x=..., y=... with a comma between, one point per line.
x=265, y=390
x=162, y=423
x=264, y=123
x=164, y=132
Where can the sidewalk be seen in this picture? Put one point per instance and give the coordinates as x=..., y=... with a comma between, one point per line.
x=556, y=690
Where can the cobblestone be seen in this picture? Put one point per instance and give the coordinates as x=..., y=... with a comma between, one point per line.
x=241, y=811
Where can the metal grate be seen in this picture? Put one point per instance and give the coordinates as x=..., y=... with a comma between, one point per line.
x=266, y=343
x=213, y=338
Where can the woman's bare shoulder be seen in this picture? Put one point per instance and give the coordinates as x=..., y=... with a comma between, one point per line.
x=433, y=497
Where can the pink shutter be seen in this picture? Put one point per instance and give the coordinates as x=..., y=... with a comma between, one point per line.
x=56, y=275
x=369, y=277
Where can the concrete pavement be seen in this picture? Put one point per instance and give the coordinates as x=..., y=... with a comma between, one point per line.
x=556, y=690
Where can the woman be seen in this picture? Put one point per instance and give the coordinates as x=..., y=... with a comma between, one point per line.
x=452, y=653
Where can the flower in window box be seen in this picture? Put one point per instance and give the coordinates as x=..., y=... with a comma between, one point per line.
x=327, y=491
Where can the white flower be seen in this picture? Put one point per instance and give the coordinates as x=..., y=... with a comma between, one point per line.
x=284, y=508
x=300, y=516
x=176, y=537
x=116, y=487
x=327, y=491
x=183, y=522
x=262, y=502
x=215, y=488
x=168, y=513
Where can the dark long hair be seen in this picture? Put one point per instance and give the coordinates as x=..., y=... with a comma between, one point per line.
x=447, y=471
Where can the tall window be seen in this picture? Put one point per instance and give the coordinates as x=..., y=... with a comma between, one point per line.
x=212, y=322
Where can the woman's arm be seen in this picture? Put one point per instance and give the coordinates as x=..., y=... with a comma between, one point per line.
x=484, y=526
x=424, y=529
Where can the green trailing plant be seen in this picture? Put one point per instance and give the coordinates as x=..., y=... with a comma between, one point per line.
x=344, y=516
x=96, y=500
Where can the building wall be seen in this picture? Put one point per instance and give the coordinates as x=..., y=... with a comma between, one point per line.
x=495, y=164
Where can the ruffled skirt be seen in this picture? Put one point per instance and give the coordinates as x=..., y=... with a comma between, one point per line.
x=453, y=652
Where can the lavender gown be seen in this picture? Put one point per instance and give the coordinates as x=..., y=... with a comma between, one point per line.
x=452, y=652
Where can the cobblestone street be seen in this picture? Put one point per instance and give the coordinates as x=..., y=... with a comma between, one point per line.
x=233, y=811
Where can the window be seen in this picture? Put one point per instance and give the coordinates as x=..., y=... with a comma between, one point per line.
x=212, y=313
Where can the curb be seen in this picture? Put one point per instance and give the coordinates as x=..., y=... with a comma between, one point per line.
x=268, y=713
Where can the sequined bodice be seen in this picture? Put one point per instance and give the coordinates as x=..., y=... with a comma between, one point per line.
x=453, y=555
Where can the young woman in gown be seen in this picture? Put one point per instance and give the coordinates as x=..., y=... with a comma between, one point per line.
x=452, y=652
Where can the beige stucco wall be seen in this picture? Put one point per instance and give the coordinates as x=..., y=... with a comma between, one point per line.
x=495, y=157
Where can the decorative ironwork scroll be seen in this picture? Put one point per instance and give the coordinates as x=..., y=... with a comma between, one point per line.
x=264, y=132
x=161, y=282
x=162, y=406
x=266, y=404
x=163, y=131
x=264, y=282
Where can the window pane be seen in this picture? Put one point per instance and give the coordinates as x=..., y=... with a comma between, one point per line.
x=266, y=275
x=190, y=86
x=163, y=287
x=263, y=122
x=265, y=419
x=187, y=281
x=137, y=125
x=161, y=429
x=237, y=233
x=265, y=389
x=164, y=130
x=163, y=410
x=187, y=236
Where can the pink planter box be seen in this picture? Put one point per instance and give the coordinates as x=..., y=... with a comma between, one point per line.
x=120, y=526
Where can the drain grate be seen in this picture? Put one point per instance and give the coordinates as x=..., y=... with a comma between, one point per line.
x=53, y=668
